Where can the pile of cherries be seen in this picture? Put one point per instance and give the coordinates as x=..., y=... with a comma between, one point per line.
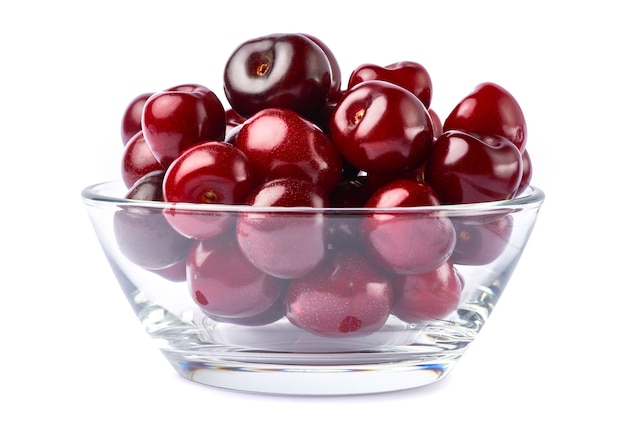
x=293, y=136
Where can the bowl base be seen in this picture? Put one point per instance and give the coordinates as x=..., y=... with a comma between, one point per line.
x=316, y=375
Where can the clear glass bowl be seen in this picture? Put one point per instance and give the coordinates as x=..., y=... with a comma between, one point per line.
x=358, y=334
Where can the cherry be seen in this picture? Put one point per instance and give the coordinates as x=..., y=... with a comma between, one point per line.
x=284, y=245
x=280, y=143
x=137, y=160
x=380, y=127
x=480, y=241
x=407, y=243
x=286, y=70
x=222, y=281
x=464, y=168
x=131, y=118
x=180, y=117
x=410, y=75
x=489, y=110
x=208, y=173
x=143, y=235
x=335, y=69
x=427, y=296
x=345, y=296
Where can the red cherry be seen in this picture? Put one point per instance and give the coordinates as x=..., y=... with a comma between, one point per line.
x=222, y=281
x=428, y=296
x=284, y=245
x=335, y=70
x=489, y=110
x=137, y=160
x=346, y=296
x=407, y=243
x=462, y=168
x=410, y=75
x=480, y=241
x=209, y=173
x=143, y=235
x=278, y=70
x=280, y=143
x=380, y=127
x=131, y=119
x=180, y=117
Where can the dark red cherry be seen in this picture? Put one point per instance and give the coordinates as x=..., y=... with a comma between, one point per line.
x=427, y=296
x=285, y=245
x=142, y=234
x=286, y=70
x=407, y=74
x=489, y=110
x=222, y=282
x=480, y=241
x=280, y=143
x=137, y=160
x=463, y=168
x=131, y=119
x=380, y=127
x=207, y=173
x=335, y=69
x=180, y=117
x=407, y=243
x=346, y=296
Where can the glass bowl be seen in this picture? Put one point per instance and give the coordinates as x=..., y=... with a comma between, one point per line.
x=311, y=301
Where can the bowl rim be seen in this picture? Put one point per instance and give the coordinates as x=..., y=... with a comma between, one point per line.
x=94, y=194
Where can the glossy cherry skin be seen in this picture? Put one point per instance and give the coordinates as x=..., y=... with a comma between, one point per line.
x=222, y=282
x=285, y=245
x=280, y=143
x=207, y=173
x=410, y=75
x=131, y=119
x=142, y=234
x=407, y=243
x=480, y=241
x=463, y=168
x=279, y=70
x=137, y=160
x=380, y=127
x=335, y=69
x=180, y=117
x=427, y=296
x=346, y=296
x=490, y=110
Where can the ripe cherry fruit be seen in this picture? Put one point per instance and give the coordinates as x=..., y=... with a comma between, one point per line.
x=180, y=117
x=207, y=173
x=284, y=245
x=278, y=70
x=407, y=243
x=346, y=296
x=380, y=127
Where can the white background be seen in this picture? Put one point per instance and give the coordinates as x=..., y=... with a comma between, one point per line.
x=74, y=357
